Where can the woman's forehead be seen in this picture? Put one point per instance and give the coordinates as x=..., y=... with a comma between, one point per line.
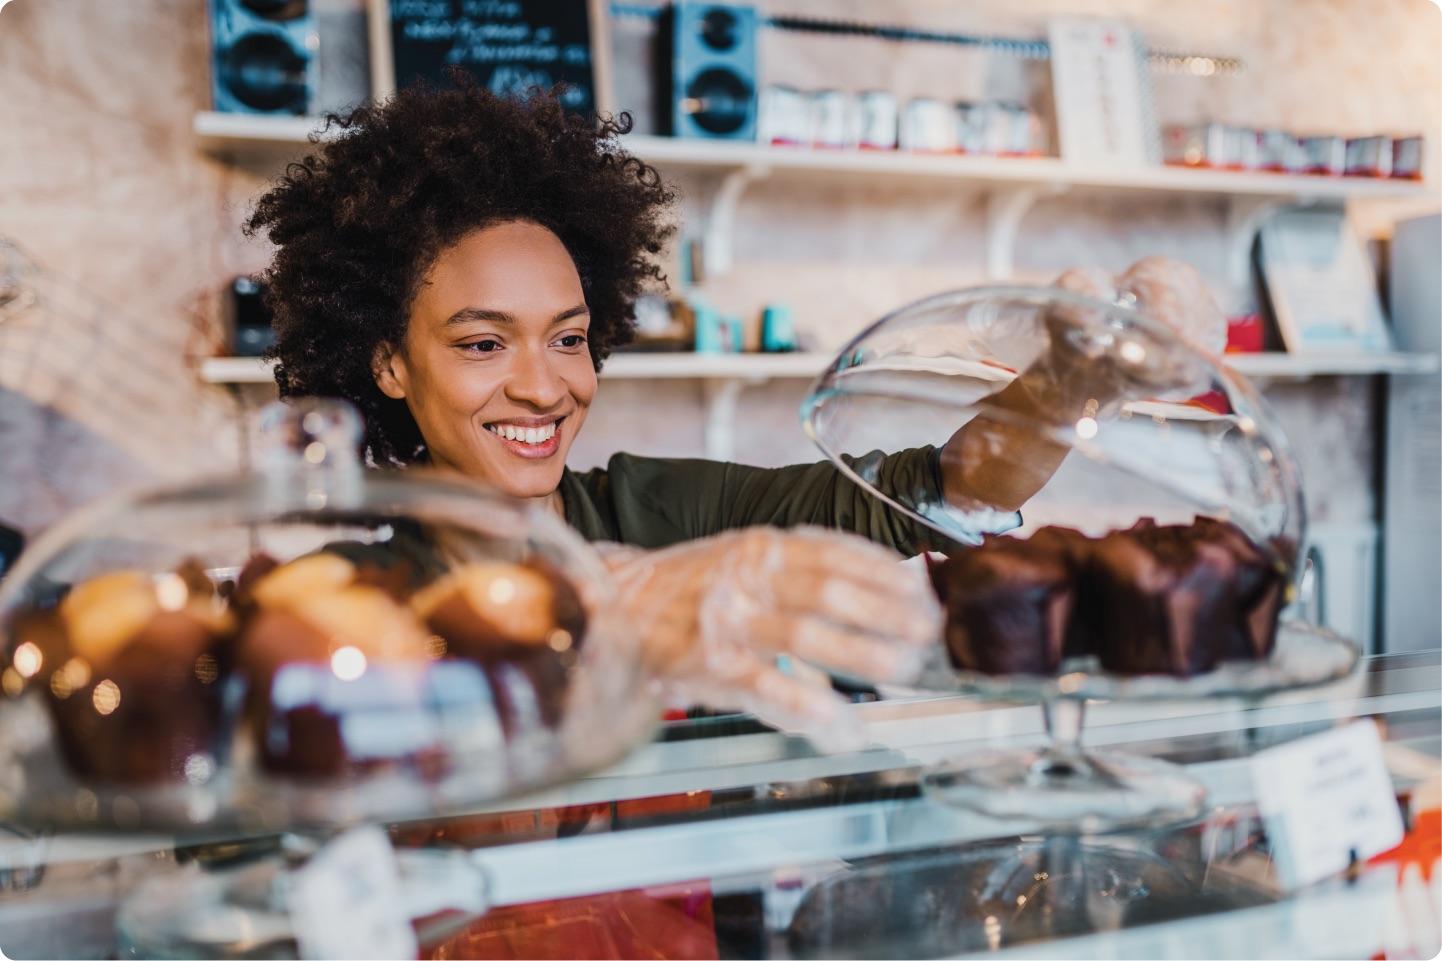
x=515, y=268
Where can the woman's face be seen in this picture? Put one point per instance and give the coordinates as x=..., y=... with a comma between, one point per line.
x=495, y=367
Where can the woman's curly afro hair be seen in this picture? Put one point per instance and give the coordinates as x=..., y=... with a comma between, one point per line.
x=358, y=223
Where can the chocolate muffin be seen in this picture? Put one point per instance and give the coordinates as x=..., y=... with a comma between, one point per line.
x=524, y=623
x=1008, y=606
x=134, y=683
x=1261, y=589
x=1162, y=602
x=339, y=673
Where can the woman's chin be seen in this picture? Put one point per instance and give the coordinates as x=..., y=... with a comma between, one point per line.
x=531, y=482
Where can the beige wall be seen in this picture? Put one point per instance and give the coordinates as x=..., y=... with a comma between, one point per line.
x=101, y=183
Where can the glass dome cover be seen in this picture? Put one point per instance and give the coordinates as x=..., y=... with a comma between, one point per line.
x=1135, y=421
x=311, y=644
x=1122, y=518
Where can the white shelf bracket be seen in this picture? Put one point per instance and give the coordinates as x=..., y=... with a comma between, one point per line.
x=720, y=395
x=719, y=238
x=1005, y=208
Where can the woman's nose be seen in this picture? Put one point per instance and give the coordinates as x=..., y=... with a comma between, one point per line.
x=533, y=381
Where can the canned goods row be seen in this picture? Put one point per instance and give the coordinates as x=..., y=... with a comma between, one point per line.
x=872, y=120
x=1230, y=147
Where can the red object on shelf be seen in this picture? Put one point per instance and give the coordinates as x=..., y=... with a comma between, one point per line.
x=1245, y=334
x=1213, y=400
x=1422, y=846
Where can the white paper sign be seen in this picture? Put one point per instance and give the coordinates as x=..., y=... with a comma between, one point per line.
x=1326, y=798
x=346, y=902
x=1104, y=109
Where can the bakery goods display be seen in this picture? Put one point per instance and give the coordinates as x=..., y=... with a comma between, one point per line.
x=1154, y=599
x=340, y=668
x=346, y=670
x=306, y=645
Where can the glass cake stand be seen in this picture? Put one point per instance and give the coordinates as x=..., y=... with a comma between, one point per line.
x=1064, y=786
x=149, y=686
x=1085, y=414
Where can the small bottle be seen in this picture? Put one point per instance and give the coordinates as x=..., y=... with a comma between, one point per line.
x=778, y=329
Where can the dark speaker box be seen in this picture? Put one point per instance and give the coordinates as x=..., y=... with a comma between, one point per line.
x=263, y=56
x=711, y=81
x=251, y=330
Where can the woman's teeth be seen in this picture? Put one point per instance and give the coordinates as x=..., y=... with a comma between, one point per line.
x=526, y=435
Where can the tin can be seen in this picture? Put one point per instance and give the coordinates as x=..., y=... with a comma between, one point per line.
x=876, y=120
x=1407, y=158
x=1281, y=151
x=1028, y=133
x=1195, y=145
x=929, y=125
x=785, y=116
x=1369, y=157
x=1008, y=130
x=1242, y=147
x=833, y=119
x=971, y=127
x=1326, y=154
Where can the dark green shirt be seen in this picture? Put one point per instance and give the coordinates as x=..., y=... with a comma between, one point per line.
x=655, y=502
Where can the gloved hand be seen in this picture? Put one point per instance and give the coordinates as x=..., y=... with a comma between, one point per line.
x=729, y=622
x=996, y=461
x=1163, y=289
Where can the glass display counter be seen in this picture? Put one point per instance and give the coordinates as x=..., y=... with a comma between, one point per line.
x=723, y=839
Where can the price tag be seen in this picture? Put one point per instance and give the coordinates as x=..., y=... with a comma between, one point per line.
x=346, y=902
x=1327, y=798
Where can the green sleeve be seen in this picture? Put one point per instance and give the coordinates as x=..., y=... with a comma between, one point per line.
x=654, y=502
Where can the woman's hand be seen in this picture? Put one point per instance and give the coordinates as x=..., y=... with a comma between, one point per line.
x=733, y=621
x=1163, y=289
x=998, y=463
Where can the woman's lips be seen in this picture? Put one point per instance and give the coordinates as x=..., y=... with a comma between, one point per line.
x=533, y=441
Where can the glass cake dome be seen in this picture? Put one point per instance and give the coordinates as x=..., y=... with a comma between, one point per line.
x=1133, y=420
x=306, y=646
x=1121, y=515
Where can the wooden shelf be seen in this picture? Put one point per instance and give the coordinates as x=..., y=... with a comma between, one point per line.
x=1013, y=185
x=254, y=137
x=804, y=366
x=722, y=377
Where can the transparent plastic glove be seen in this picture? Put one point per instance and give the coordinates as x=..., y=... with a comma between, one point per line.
x=732, y=621
x=998, y=461
x=1164, y=290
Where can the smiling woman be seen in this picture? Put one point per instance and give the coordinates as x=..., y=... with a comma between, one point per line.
x=444, y=226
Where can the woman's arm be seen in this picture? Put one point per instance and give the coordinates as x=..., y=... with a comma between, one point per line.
x=653, y=503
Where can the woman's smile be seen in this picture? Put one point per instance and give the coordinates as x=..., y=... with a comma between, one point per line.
x=533, y=438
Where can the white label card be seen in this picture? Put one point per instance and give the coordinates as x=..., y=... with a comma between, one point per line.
x=346, y=902
x=1326, y=798
x=1104, y=107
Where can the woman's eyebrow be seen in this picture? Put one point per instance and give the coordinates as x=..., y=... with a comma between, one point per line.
x=468, y=315
x=570, y=312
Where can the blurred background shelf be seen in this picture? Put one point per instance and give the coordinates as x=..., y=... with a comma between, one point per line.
x=762, y=367
x=269, y=140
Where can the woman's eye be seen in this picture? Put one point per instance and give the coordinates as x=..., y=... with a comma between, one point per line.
x=572, y=340
x=484, y=346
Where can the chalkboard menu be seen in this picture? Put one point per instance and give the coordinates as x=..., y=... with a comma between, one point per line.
x=510, y=46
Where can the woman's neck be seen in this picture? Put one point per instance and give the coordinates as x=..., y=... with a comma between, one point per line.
x=552, y=502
